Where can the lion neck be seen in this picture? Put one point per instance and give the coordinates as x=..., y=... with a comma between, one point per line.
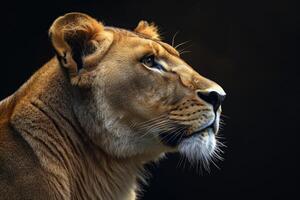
x=73, y=163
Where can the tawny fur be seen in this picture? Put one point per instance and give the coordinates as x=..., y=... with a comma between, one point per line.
x=73, y=132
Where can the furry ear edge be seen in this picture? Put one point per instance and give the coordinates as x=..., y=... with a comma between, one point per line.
x=73, y=36
x=80, y=41
x=148, y=29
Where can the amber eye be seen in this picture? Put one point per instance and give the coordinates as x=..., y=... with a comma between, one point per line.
x=150, y=62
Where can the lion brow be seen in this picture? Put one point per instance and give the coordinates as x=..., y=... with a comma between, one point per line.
x=129, y=33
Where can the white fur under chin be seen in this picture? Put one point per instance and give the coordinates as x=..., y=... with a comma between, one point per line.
x=199, y=148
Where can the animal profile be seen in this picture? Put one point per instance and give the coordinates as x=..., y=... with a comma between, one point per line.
x=109, y=101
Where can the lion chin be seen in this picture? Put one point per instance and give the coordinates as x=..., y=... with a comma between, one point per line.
x=200, y=147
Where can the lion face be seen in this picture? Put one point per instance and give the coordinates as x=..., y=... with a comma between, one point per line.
x=140, y=97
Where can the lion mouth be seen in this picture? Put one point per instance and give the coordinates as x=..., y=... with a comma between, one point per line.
x=203, y=131
x=174, y=139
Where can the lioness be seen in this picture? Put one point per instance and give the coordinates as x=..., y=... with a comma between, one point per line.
x=83, y=126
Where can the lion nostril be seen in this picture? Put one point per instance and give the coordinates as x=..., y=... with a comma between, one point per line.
x=212, y=97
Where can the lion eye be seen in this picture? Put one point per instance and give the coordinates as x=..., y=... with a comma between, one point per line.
x=150, y=62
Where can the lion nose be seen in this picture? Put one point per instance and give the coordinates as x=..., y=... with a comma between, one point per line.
x=215, y=98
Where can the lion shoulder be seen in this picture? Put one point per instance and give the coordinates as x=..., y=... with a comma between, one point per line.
x=21, y=176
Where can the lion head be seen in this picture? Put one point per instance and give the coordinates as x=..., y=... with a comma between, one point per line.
x=136, y=96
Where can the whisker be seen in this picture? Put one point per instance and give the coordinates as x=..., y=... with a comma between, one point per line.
x=155, y=126
x=183, y=52
x=151, y=120
x=176, y=134
x=213, y=162
x=172, y=136
x=173, y=39
x=152, y=124
x=225, y=116
x=180, y=44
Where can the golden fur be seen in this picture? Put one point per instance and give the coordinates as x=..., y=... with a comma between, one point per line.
x=84, y=125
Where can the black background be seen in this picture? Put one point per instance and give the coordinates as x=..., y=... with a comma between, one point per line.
x=248, y=47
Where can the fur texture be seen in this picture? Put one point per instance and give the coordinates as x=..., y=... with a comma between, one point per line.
x=83, y=126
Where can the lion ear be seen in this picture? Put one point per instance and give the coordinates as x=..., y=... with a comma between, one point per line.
x=75, y=37
x=149, y=30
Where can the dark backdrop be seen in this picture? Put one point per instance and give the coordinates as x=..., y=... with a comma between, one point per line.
x=248, y=47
